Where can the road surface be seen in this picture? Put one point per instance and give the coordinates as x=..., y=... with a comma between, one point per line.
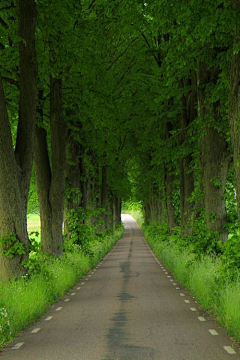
x=127, y=308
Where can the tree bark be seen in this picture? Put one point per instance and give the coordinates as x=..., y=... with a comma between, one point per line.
x=51, y=180
x=11, y=197
x=215, y=165
x=74, y=195
x=234, y=116
x=43, y=180
x=58, y=146
x=189, y=113
x=169, y=188
x=170, y=209
x=215, y=159
x=15, y=169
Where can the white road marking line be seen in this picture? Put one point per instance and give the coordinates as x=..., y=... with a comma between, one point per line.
x=166, y=272
x=193, y=309
x=59, y=308
x=82, y=283
x=66, y=300
x=34, y=331
x=201, y=318
x=213, y=332
x=174, y=284
x=17, y=346
x=171, y=280
x=86, y=279
x=48, y=318
x=89, y=275
x=182, y=294
x=230, y=350
x=168, y=276
x=78, y=288
x=177, y=288
x=72, y=294
x=187, y=301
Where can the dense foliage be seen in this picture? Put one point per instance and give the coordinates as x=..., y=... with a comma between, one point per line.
x=117, y=101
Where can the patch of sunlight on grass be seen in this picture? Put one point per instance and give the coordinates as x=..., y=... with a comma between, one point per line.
x=33, y=225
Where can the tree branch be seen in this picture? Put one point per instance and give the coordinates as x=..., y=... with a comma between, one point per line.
x=11, y=81
x=3, y=23
x=91, y=5
x=120, y=55
x=149, y=46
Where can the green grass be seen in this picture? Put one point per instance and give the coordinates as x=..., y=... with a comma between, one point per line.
x=33, y=225
x=27, y=299
x=33, y=222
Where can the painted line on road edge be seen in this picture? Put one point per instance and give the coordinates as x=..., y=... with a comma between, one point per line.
x=193, y=309
x=49, y=318
x=59, y=308
x=66, y=300
x=213, y=332
x=230, y=350
x=72, y=294
x=187, y=301
x=34, y=331
x=17, y=346
x=78, y=288
x=201, y=318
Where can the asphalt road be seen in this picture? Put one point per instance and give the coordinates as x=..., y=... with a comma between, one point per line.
x=127, y=308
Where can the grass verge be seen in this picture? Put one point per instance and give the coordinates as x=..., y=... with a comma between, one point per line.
x=203, y=277
x=24, y=300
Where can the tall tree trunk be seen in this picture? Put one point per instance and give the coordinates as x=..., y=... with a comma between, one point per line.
x=58, y=146
x=168, y=181
x=11, y=197
x=15, y=169
x=189, y=113
x=169, y=188
x=215, y=159
x=73, y=178
x=234, y=115
x=43, y=180
x=215, y=165
x=51, y=181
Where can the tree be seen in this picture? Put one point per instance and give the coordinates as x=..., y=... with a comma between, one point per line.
x=16, y=164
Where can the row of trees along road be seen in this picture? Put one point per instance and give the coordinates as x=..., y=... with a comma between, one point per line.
x=107, y=96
